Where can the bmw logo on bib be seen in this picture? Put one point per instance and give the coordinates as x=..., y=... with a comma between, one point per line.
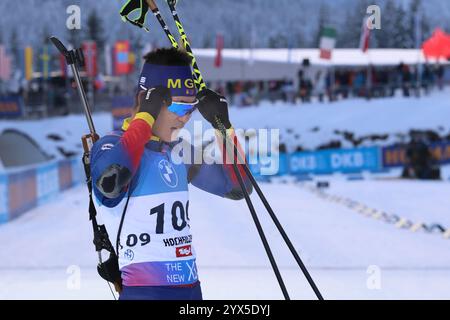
x=168, y=173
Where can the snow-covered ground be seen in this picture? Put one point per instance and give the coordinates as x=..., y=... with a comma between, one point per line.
x=314, y=124
x=46, y=251
x=67, y=130
x=43, y=252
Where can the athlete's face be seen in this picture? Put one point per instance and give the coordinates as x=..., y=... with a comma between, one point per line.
x=168, y=124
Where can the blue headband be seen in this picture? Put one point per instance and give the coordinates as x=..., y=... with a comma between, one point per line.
x=177, y=78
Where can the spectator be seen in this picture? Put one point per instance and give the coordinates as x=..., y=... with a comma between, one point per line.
x=420, y=163
x=288, y=91
x=320, y=84
x=427, y=78
x=359, y=83
x=306, y=78
x=405, y=77
x=440, y=76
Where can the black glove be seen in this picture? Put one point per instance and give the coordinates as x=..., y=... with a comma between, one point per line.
x=212, y=105
x=152, y=100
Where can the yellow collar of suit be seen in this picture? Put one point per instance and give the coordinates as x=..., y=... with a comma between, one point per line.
x=126, y=125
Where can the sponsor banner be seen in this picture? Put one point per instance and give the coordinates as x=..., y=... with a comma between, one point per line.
x=22, y=192
x=276, y=165
x=78, y=174
x=65, y=176
x=338, y=160
x=121, y=109
x=47, y=182
x=11, y=106
x=3, y=198
x=441, y=152
x=395, y=156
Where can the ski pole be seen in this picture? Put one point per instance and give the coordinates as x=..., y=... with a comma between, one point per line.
x=247, y=170
x=71, y=59
x=274, y=218
x=198, y=79
x=283, y=233
x=201, y=85
x=256, y=220
x=155, y=10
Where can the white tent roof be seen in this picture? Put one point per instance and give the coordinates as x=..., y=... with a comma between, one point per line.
x=340, y=57
x=269, y=64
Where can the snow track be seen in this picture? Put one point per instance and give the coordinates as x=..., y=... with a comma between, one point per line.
x=43, y=252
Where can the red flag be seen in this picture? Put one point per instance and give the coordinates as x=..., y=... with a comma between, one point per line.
x=438, y=45
x=122, y=57
x=90, y=57
x=219, y=46
x=365, y=36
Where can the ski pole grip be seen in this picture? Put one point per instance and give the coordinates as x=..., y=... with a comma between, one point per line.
x=63, y=50
x=59, y=45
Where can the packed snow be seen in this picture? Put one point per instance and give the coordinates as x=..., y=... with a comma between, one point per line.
x=306, y=125
x=47, y=253
x=43, y=252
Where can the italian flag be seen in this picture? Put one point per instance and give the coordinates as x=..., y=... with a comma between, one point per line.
x=327, y=42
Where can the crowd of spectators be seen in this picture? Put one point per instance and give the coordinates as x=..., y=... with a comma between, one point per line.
x=324, y=84
x=58, y=95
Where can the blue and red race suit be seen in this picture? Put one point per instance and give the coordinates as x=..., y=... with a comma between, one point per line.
x=155, y=246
